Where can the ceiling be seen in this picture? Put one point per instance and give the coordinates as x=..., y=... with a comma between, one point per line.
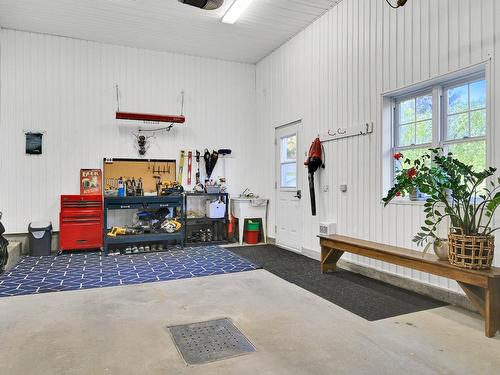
x=167, y=25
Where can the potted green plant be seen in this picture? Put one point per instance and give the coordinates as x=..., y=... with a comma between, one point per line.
x=456, y=191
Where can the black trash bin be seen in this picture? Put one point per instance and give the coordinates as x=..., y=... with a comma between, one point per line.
x=40, y=238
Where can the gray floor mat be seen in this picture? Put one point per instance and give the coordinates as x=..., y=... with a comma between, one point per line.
x=368, y=298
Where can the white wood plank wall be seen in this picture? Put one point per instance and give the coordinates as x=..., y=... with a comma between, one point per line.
x=329, y=75
x=66, y=87
x=332, y=74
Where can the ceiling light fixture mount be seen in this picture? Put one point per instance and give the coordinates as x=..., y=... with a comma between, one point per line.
x=235, y=11
x=204, y=4
x=399, y=3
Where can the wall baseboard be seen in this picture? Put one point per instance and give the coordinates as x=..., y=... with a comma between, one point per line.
x=431, y=291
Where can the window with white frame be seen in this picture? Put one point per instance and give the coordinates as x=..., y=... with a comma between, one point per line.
x=451, y=115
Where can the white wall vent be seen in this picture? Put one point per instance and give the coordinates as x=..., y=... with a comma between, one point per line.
x=327, y=228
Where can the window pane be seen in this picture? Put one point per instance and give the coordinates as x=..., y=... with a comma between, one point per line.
x=424, y=132
x=478, y=95
x=406, y=135
x=289, y=175
x=289, y=148
x=407, y=111
x=470, y=153
x=458, y=99
x=458, y=126
x=478, y=123
x=424, y=108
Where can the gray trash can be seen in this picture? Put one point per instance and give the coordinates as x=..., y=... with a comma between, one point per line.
x=40, y=238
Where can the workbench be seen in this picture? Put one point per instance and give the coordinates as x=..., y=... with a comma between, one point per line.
x=173, y=201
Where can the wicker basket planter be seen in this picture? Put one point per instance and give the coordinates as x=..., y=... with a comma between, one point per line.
x=472, y=252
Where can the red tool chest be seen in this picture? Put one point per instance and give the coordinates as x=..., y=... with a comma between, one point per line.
x=80, y=222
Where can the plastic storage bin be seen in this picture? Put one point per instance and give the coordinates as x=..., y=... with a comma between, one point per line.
x=40, y=238
x=252, y=237
x=253, y=225
x=215, y=210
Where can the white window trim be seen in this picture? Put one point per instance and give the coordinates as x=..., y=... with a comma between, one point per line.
x=438, y=85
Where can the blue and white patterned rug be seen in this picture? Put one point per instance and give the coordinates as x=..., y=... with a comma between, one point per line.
x=74, y=271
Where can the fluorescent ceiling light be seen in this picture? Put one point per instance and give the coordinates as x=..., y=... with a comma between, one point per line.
x=235, y=11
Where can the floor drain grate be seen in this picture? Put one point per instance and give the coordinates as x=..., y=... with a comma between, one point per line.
x=210, y=341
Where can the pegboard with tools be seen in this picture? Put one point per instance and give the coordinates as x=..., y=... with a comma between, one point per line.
x=148, y=170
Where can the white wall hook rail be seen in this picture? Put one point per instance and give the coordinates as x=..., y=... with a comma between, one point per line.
x=351, y=131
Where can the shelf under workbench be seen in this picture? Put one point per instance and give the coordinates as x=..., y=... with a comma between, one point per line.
x=174, y=201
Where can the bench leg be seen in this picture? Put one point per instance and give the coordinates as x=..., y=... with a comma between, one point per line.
x=329, y=259
x=492, y=308
x=487, y=302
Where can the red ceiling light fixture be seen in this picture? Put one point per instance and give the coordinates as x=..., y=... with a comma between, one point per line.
x=399, y=3
x=149, y=117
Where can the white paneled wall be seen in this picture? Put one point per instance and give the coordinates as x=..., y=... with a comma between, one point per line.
x=332, y=75
x=66, y=87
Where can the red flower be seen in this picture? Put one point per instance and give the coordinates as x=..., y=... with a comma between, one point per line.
x=398, y=194
x=398, y=155
x=412, y=173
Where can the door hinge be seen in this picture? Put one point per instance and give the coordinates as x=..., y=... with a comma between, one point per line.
x=275, y=141
x=275, y=184
x=275, y=229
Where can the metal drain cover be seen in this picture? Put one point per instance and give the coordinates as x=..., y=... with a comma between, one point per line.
x=209, y=341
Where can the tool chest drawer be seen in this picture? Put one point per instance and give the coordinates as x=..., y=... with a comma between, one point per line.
x=78, y=202
x=81, y=235
x=80, y=221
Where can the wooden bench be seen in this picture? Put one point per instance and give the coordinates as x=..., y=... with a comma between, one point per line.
x=481, y=287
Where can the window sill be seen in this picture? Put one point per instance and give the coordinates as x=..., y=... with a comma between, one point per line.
x=407, y=202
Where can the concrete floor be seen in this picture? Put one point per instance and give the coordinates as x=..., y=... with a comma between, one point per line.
x=121, y=330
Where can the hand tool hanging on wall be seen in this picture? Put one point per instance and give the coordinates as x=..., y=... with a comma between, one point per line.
x=181, y=167
x=224, y=152
x=206, y=157
x=213, y=161
x=313, y=162
x=190, y=166
x=210, y=162
x=199, y=187
x=198, y=170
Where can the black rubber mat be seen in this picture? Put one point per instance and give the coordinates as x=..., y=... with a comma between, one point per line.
x=371, y=299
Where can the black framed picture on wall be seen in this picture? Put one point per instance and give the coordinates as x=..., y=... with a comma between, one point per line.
x=34, y=143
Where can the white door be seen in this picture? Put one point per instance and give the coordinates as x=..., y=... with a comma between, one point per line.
x=288, y=187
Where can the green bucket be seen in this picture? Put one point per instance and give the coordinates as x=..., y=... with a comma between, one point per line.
x=253, y=225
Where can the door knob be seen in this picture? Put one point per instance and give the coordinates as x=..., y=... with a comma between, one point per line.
x=298, y=195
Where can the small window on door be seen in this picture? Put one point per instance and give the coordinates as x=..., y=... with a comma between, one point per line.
x=288, y=162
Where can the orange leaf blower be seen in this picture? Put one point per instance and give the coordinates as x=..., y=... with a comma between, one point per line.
x=313, y=162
